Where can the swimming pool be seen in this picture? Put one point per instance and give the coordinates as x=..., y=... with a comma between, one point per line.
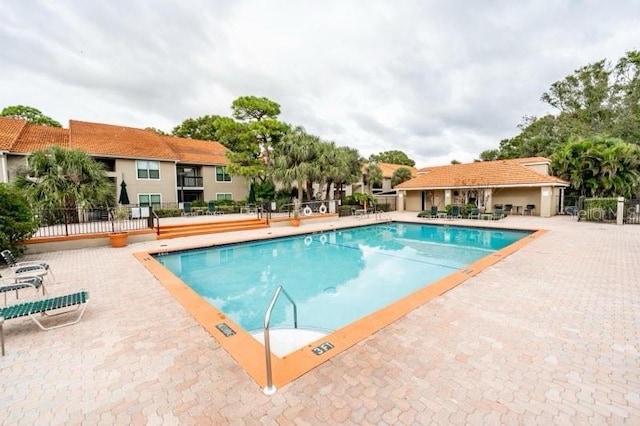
x=335, y=278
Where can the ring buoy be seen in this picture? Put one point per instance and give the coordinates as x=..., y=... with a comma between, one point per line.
x=307, y=241
x=323, y=239
x=322, y=209
x=307, y=211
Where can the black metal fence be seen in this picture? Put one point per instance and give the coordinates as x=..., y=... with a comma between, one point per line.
x=66, y=222
x=632, y=211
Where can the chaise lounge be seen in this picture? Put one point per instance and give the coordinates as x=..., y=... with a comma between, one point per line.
x=26, y=268
x=78, y=301
x=19, y=283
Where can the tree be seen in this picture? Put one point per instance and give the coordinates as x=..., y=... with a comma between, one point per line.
x=252, y=135
x=401, y=174
x=347, y=169
x=597, y=99
x=373, y=175
x=157, y=131
x=599, y=166
x=30, y=114
x=65, y=179
x=17, y=222
x=490, y=155
x=393, y=157
x=203, y=128
x=294, y=157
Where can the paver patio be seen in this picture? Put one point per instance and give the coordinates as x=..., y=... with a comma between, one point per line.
x=549, y=335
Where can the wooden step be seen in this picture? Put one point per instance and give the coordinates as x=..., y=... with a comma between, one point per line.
x=203, y=228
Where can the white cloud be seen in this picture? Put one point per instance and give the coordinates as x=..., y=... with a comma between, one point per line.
x=438, y=80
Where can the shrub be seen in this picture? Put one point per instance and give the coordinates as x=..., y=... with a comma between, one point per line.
x=424, y=213
x=17, y=221
x=168, y=212
x=198, y=203
x=599, y=209
x=344, y=211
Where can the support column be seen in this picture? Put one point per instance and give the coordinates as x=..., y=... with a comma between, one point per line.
x=620, y=212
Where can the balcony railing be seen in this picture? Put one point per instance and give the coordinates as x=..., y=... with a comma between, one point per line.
x=190, y=181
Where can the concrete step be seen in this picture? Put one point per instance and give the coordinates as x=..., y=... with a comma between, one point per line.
x=203, y=228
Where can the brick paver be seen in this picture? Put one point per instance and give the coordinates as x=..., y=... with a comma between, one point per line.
x=548, y=335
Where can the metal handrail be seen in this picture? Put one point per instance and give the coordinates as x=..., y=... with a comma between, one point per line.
x=270, y=389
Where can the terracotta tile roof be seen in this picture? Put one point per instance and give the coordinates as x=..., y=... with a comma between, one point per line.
x=482, y=174
x=197, y=151
x=36, y=138
x=10, y=129
x=388, y=169
x=118, y=141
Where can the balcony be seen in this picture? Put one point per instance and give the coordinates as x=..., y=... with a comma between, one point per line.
x=190, y=181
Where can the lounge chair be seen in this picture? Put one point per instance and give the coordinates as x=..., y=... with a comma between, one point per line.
x=474, y=214
x=434, y=212
x=45, y=306
x=23, y=268
x=19, y=283
x=529, y=209
x=507, y=209
x=498, y=214
x=186, y=209
x=211, y=208
x=455, y=212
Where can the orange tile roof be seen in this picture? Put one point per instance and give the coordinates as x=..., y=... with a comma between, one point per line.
x=118, y=141
x=482, y=174
x=36, y=138
x=388, y=169
x=10, y=129
x=197, y=151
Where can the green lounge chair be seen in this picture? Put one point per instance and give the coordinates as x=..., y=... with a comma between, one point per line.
x=474, y=214
x=78, y=300
x=498, y=214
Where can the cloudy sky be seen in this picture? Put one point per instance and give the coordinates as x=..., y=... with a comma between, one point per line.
x=440, y=80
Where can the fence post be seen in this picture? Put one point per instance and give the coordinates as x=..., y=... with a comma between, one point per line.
x=620, y=212
x=150, y=217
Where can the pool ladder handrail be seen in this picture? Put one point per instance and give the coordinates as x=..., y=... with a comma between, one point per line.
x=270, y=389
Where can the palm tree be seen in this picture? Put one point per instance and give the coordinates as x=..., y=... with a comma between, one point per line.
x=294, y=159
x=401, y=174
x=374, y=175
x=65, y=179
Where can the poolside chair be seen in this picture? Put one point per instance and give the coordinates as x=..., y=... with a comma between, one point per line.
x=434, y=212
x=186, y=209
x=23, y=268
x=529, y=209
x=497, y=214
x=19, y=283
x=77, y=301
x=474, y=214
x=507, y=209
x=455, y=212
x=211, y=208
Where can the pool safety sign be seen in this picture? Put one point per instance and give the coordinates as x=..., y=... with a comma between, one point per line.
x=319, y=350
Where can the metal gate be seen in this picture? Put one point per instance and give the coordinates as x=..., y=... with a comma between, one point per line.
x=632, y=211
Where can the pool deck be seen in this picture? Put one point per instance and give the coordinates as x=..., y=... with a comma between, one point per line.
x=551, y=334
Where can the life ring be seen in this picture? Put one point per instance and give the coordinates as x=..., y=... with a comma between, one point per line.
x=323, y=239
x=322, y=209
x=307, y=211
x=307, y=241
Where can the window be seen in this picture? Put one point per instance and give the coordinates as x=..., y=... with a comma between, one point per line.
x=224, y=197
x=221, y=174
x=148, y=169
x=145, y=200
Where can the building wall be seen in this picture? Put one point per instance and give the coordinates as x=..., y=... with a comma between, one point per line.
x=15, y=162
x=540, y=168
x=165, y=186
x=517, y=197
x=238, y=187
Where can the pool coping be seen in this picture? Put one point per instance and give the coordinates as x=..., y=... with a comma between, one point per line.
x=250, y=353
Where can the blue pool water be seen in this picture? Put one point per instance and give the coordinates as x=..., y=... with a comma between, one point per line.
x=335, y=277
